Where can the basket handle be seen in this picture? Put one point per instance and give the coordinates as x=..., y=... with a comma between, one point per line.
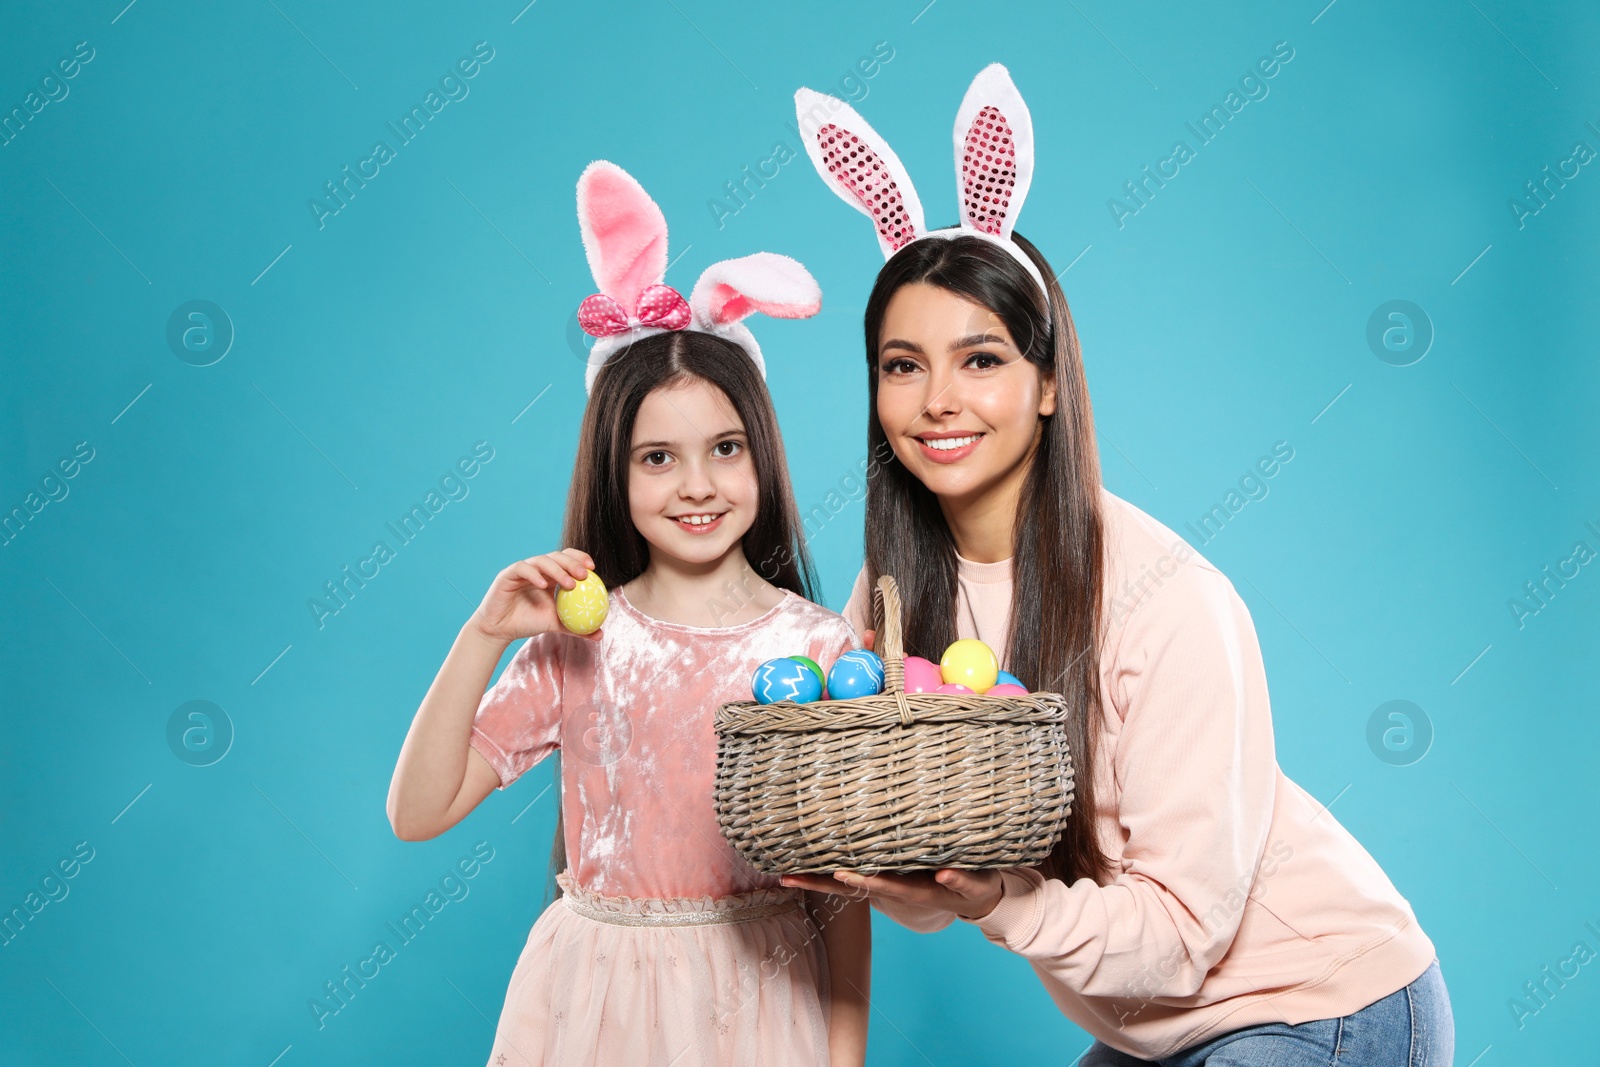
x=890, y=642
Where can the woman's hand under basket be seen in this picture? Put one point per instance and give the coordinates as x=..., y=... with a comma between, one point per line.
x=970, y=894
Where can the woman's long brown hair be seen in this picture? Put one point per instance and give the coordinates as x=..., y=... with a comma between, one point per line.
x=1057, y=569
x=598, y=519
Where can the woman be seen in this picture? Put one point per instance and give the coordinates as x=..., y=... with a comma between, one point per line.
x=1200, y=907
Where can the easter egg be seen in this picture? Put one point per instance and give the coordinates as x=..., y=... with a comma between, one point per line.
x=951, y=687
x=971, y=663
x=784, y=679
x=922, y=675
x=582, y=608
x=1006, y=689
x=855, y=674
x=1007, y=678
x=822, y=679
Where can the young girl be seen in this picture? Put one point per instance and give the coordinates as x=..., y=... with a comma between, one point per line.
x=665, y=947
x=1200, y=907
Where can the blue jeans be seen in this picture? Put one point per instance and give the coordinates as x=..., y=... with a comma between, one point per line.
x=1411, y=1027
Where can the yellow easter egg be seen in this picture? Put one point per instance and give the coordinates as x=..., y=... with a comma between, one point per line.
x=582, y=608
x=971, y=663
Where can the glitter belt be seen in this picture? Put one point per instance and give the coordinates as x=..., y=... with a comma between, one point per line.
x=706, y=918
x=703, y=911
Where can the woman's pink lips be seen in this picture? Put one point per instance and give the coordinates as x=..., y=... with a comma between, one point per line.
x=949, y=455
x=705, y=529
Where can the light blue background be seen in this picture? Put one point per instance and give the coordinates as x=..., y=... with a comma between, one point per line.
x=426, y=315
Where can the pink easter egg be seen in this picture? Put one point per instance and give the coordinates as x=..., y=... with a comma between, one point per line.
x=952, y=687
x=922, y=676
x=1005, y=689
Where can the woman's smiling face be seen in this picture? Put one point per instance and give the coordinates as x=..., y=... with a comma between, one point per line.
x=956, y=399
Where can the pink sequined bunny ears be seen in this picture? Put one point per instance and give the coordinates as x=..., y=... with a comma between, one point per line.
x=994, y=166
x=625, y=238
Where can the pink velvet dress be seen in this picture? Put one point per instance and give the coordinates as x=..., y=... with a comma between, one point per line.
x=666, y=947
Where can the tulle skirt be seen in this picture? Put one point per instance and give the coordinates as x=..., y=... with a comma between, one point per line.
x=629, y=982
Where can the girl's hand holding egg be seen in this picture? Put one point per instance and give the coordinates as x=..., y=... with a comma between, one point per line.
x=522, y=599
x=583, y=607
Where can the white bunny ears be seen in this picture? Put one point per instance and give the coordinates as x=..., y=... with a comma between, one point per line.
x=625, y=238
x=994, y=166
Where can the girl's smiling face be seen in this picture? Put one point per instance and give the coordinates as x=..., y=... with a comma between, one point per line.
x=956, y=399
x=692, y=490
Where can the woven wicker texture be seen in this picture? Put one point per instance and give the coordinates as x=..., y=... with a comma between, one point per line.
x=893, y=782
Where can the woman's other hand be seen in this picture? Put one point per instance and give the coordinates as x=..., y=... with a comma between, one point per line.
x=970, y=894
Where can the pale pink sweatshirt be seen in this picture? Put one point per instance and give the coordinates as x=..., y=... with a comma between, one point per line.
x=1238, y=899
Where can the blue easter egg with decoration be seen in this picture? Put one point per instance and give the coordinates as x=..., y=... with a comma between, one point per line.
x=1007, y=678
x=855, y=674
x=785, y=679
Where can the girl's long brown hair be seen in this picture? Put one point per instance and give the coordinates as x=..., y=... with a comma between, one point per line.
x=598, y=520
x=1057, y=570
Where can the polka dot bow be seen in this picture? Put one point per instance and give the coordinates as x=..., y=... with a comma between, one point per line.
x=660, y=306
x=625, y=241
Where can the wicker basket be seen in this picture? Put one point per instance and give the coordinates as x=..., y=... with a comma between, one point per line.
x=893, y=782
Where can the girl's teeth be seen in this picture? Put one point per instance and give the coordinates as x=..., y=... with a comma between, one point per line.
x=948, y=443
x=697, y=520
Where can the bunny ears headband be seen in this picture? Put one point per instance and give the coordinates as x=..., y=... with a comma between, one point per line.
x=625, y=238
x=994, y=166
